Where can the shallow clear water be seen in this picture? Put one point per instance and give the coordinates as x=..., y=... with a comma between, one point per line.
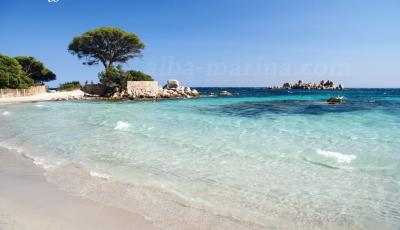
x=261, y=156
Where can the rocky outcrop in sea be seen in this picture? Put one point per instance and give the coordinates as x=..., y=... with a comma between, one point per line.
x=322, y=85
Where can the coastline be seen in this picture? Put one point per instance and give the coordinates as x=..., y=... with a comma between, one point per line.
x=120, y=180
x=28, y=201
x=65, y=95
x=36, y=195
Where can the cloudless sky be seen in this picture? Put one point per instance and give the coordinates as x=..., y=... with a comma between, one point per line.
x=219, y=43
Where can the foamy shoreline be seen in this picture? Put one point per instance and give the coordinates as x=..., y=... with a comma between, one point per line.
x=40, y=194
x=28, y=201
x=56, y=96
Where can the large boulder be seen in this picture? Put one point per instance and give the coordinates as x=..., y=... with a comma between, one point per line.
x=195, y=93
x=172, y=84
x=187, y=90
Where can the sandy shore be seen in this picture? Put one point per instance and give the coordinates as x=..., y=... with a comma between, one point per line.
x=75, y=94
x=28, y=201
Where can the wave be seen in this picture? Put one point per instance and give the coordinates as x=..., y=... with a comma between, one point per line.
x=41, y=162
x=340, y=157
x=5, y=113
x=123, y=126
x=9, y=147
x=99, y=175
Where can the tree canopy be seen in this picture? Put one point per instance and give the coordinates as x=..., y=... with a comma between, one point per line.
x=107, y=45
x=12, y=75
x=35, y=69
x=133, y=75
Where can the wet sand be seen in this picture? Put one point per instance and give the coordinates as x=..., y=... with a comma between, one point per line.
x=28, y=201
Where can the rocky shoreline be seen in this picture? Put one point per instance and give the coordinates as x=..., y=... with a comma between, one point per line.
x=322, y=85
x=148, y=90
x=172, y=89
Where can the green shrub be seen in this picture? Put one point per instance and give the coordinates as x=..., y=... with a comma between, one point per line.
x=11, y=74
x=69, y=86
x=115, y=78
x=133, y=75
x=112, y=77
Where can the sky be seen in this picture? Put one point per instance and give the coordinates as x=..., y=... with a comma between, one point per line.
x=219, y=43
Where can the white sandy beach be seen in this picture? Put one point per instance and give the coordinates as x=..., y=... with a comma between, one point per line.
x=31, y=199
x=28, y=201
x=75, y=94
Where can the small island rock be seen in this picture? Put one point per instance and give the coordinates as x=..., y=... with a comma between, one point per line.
x=224, y=93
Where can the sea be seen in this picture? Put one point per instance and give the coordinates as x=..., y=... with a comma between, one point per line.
x=259, y=159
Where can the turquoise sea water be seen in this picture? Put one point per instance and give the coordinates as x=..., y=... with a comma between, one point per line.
x=278, y=159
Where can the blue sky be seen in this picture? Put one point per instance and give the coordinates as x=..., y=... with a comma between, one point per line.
x=219, y=43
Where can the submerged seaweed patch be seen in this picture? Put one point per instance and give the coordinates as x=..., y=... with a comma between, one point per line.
x=296, y=107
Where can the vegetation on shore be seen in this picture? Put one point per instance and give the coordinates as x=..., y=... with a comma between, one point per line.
x=108, y=45
x=69, y=86
x=35, y=69
x=22, y=72
x=12, y=75
x=115, y=78
x=133, y=75
x=105, y=45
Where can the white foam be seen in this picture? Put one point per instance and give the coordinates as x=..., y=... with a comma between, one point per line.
x=43, y=163
x=5, y=113
x=340, y=157
x=123, y=126
x=39, y=106
x=100, y=175
x=9, y=147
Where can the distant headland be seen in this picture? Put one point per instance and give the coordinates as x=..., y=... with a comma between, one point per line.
x=322, y=85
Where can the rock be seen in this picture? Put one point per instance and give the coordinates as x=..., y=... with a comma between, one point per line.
x=335, y=100
x=224, y=93
x=117, y=95
x=195, y=93
x=323, y=85
x=340, y=87
x=124, y=93
x=166, y=95
x=172, y=84
x=171, y=90
x=187, y=90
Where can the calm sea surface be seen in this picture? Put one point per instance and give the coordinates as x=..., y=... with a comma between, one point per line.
x=273, y=158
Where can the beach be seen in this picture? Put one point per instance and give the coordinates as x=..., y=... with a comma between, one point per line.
x=270, y=159
x=55, y=96
x=28, y=201
x=206, y=115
